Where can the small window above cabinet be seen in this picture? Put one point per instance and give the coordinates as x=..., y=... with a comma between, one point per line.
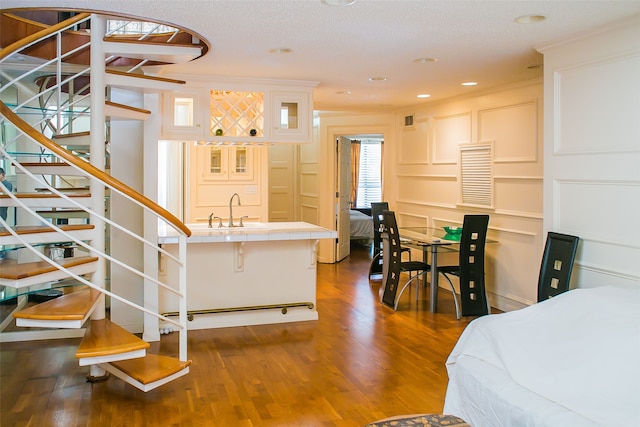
x=226, y=163
x=291, y=117
x=181, y=117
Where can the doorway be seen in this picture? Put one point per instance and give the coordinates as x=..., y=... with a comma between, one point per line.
x=358, y=181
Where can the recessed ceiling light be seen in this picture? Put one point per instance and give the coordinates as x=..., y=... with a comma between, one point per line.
x=424, y=60
x=423, y=95
x=280, y=50
x=469, y=83
x=529, y=19
x=377, y=79
x=343, y=92
x=338, y=2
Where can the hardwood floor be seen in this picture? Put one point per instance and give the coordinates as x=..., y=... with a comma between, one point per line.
x=360, y=362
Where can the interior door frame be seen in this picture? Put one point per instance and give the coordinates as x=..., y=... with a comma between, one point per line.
x=356, y=134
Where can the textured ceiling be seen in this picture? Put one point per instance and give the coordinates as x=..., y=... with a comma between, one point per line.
x=342, y=47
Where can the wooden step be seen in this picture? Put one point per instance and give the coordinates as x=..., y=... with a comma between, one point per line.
x=68, y=311
x=64, y=214
x=84, y=190
x=43, y=234
x=75, y=139
x=106, y=342
x=148, y=372
x=31, y=273
x=52, y=168
x=141, y=81
x=122, y=111
x=47, y=200
x=152, y=51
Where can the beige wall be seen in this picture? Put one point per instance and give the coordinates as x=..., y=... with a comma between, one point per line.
x=592, y=151
x=423, y=181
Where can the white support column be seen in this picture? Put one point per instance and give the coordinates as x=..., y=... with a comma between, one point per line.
x=97, y=150
x=98, y=29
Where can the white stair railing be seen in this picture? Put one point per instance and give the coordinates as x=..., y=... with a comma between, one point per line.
x=10, y=119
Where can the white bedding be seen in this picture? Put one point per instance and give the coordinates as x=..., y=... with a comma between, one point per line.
x=573, y=361
x=361, y=225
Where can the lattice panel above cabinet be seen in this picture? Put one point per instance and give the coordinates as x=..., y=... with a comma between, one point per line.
x=236, y=113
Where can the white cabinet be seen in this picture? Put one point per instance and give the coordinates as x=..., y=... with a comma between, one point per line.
x=291, y=117
x=218, y=163
x=182, y=116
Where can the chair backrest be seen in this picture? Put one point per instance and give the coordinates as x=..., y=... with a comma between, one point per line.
x=473, y=295
x=392, y=258
x=376, y=213
x=557, y=263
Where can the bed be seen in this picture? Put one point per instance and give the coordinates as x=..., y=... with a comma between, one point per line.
x=361, y=225
x=569, y=361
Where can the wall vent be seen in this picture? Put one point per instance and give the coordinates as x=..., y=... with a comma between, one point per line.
x=408, y=120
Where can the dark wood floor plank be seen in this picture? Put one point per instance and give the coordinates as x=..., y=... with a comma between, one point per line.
x=359, y=362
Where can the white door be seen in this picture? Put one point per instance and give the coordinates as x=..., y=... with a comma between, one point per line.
x=343, y=188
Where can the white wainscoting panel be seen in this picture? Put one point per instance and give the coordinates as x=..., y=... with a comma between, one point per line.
x=514, y=130
x=413, y=146
x=448, y=133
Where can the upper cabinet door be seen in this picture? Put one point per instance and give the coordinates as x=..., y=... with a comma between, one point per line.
x=291, y=117
x=182, y=116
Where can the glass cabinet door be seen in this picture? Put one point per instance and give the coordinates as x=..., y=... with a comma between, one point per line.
x=181, y=116
x=291, y=115
x=227, y=163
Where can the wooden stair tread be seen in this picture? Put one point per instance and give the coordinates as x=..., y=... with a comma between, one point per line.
x=105, y=338
x=42, y=195
x=71, y=135
x=72, y=306
x=63, y=189
x=151, y=367
x=36, y=164
x=127, y=107
x=30, y=269
x=33, y=229
x=144, y=76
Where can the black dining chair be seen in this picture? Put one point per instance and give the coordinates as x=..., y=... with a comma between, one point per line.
x=470, y=268
x=376, y=263
x=557, y=263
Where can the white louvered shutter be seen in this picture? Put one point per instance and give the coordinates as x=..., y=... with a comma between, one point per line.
x=476, y=175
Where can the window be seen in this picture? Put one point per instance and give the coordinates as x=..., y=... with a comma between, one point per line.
x=369, y=178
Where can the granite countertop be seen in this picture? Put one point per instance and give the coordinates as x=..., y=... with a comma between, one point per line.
x=251, y=232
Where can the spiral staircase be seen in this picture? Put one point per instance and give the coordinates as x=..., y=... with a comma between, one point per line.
x=57, y=73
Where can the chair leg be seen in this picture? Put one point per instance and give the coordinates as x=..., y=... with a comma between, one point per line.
x=375, y=267
x=408, y=283
x=455, y=298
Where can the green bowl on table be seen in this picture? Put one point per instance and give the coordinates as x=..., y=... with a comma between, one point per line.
x=453, y=233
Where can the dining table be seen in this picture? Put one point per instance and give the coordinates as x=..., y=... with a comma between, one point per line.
x=430, y=240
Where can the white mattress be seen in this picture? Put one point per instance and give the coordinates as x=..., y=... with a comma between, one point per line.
x=361, y=225
x=571, y=361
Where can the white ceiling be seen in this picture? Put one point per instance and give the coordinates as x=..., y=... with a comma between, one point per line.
x=342, y=47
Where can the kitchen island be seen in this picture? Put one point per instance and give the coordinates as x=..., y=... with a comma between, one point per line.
x=257, y=274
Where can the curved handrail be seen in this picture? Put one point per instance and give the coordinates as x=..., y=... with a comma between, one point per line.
x=92, y=170
x=13, y=47
x=86, y=13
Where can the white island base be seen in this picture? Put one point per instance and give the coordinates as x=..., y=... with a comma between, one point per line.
x=259, y=274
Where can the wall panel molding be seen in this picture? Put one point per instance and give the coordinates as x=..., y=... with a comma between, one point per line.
x=514, y=130
x=413, y=145
x=609, y=130
x=448, y=133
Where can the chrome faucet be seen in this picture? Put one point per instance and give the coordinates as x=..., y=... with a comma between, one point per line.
x=211, y=218
x=231, y=208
